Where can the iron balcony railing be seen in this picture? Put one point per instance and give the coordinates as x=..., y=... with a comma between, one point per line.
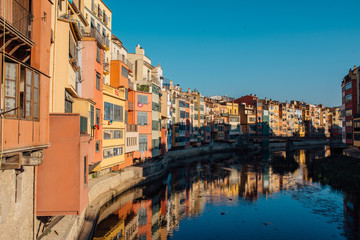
x=18, y=16
x=118, y=56
x=95, y=34
x=107, y=67
x=152, y=79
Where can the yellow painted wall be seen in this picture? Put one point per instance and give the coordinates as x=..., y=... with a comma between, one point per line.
x=111, y=97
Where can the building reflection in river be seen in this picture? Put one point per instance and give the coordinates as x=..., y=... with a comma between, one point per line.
x=186, y=192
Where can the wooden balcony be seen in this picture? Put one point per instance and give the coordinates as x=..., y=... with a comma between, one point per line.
x=17, y=34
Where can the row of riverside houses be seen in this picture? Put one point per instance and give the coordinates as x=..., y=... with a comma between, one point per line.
x=273, y=118
x=75, y=104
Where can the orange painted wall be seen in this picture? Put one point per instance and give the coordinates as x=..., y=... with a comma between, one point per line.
x=41, y=35
x=116, y=78
x=61, y=189
x=90, y=67
x=147, y=129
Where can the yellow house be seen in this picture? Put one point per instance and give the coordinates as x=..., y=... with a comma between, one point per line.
x=233, y=108
x=113, y=127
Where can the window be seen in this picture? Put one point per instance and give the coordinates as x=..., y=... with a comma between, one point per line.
x=83, y=124
x=108, y=111
x=155, y=125
x=10, y=87
x=68, y=102
x=348, y=112
x=97, y=146
x=142, y=118
x=187, y=105
x=124, y=72
x=91, y=117
x=348, y=86
x=131, y=141
x=143, y=99
x=85, y=170
x=98, y=54
x=182, y=103
x=118, y=113
x=113, y=134
x=98, y=77
x=98, y=117
x=186, y=115
x=348, y=98
x=142, y=142
x=182, y=114
x=112, y=152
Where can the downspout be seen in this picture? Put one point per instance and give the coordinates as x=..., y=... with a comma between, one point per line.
x=3, y=88
x=54, y=55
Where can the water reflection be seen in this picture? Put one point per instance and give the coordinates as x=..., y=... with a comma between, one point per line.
x=242, y=184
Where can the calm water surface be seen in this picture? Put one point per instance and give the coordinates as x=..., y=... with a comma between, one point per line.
x=237, y=198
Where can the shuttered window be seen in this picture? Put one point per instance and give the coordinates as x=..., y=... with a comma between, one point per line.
x=118, y=113
x=143, y=99
x=142, y=118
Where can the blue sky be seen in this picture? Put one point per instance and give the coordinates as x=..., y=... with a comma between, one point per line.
x=280, y=49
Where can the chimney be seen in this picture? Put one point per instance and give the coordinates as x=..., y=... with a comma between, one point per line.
x=189, y=90
x=250, y=94
x=265, y=99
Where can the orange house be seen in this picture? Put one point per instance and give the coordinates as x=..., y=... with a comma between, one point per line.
x=24, y=108
x=142, y=116
x=92, y=87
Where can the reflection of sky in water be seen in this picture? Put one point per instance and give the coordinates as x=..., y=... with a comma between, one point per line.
x=307, y=213
x=237, y=200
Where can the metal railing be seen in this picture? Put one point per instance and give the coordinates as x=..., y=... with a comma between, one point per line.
x=131, y=127
x=152, y=79
x=107, y=67
x=96, y=34
x=119, y=56
x=17, y=16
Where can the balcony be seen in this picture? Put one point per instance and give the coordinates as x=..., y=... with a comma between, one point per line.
x=152, y=79
x=96, y=34
x=107, y=68
x=17, y=16
x=118, y=56
x=131, y=128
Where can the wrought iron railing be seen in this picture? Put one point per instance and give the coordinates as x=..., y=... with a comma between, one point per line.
x=118, y=56
x=95, y=34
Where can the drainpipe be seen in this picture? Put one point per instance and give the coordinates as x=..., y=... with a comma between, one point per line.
x=54, y=55
x=3, y=81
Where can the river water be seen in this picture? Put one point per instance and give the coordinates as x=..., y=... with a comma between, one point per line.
x=240, y=197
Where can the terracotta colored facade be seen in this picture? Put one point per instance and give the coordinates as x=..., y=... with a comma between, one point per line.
x=62, y=187
x=92, y=88
x=143, y=129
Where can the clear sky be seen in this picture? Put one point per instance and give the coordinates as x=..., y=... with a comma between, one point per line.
x=280, y=49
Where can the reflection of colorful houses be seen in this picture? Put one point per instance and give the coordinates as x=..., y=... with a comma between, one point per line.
x=144, y=212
